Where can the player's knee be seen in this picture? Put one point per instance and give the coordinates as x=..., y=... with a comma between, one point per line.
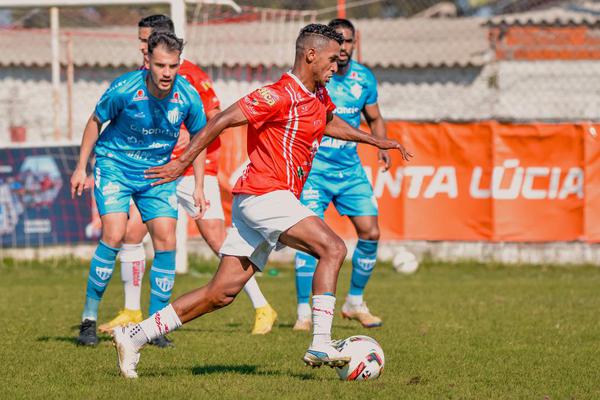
x=336, y=250
x=370, y=234
x=220, y=298
x=112, y=238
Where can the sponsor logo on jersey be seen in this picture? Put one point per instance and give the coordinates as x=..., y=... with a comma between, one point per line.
x=356, y=90
x=158, y=145
x=173, y=116
x=353, y=75
x=140, y=95
x=266, y=94
x=176, y=98
x=346, y=110
x=103, y=273
x=110, y=188
x=165, y=284
x=139, y=115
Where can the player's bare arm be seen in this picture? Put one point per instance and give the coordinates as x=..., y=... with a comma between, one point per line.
x=198, y=195
x=339, y=129
x=231, y=117
x=377, y=125
x=90, y=136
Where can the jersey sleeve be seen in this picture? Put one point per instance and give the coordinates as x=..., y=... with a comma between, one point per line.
x=204, y=86
x=112, y=102
x=371, y=89
x=261, y=105
x=195, y=119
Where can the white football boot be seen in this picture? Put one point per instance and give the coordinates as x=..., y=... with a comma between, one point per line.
x=127, y=355
x=319, y=355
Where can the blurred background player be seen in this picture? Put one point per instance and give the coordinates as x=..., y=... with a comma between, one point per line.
x=337, y=176
x=286, y=121
x=146, y=109
x=211, y=225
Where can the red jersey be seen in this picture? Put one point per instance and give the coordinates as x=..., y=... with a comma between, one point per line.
x=202, y=83
x=285, y=125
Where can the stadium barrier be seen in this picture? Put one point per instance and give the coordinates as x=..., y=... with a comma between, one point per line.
x=483, y=181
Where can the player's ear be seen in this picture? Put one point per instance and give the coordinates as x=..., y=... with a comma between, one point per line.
x=310, y=54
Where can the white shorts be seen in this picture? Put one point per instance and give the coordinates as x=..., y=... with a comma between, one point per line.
x=257, y=222
x=185, y=191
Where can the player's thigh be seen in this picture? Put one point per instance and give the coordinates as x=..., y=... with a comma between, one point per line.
x=213, y=231
x=136, y=229
x=162, y=231
x=232, y=275
x=157, y=201
x=355, y=196
x=313, y=236
x=316, y=196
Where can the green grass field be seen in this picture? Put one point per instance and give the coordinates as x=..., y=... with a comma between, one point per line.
x=451, y=331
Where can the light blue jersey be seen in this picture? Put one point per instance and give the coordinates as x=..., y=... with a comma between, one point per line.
x=143, y=129
x=142, y=133
x=350, y=94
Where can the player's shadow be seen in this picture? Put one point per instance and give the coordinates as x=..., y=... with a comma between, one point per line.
x=69, y=339
x=244, y=369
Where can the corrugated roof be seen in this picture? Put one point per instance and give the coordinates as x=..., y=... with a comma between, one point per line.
x=587, y=13
x=387, y=43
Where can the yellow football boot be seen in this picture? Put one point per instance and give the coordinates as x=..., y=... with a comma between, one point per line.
x=264, y=320
x=124, y=318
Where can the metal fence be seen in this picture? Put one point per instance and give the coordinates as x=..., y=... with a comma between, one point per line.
x=433, y=63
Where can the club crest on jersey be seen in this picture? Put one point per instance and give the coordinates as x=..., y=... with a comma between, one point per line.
x=176, y=98
x=173, y=116
x=165, y=284
x=140, y=95
x=353, y=75
x=267, y=95
x=356, y=90
x=103, y=273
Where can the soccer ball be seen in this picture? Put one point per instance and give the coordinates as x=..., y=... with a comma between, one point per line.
x=405, y=262
x=366, y=358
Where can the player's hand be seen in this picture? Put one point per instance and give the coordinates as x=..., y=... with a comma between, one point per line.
x=200, y=201
x=391, y=144
x=384, y=159
x=78, y=182
x=165, y=173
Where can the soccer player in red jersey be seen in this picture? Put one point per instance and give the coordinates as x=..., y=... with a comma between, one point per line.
x=286, y=121
x=211, y=223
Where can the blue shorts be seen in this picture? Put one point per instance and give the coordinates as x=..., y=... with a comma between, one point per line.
x=350, y=192
x=114, y=187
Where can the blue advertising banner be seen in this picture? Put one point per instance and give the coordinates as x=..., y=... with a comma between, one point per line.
x=36, y=208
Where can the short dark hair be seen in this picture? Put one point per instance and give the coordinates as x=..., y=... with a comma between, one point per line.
x=157, y=22
x=341, y=23
x=165, y=38
x=320, y=30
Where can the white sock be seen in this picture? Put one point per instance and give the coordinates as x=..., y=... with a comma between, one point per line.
x=160, y=323
x=355, y=300
x=304, y=311
x=133, y=265
x=253, y=291
x=322, y=317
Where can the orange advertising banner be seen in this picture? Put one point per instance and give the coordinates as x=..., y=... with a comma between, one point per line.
x=472, y=181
